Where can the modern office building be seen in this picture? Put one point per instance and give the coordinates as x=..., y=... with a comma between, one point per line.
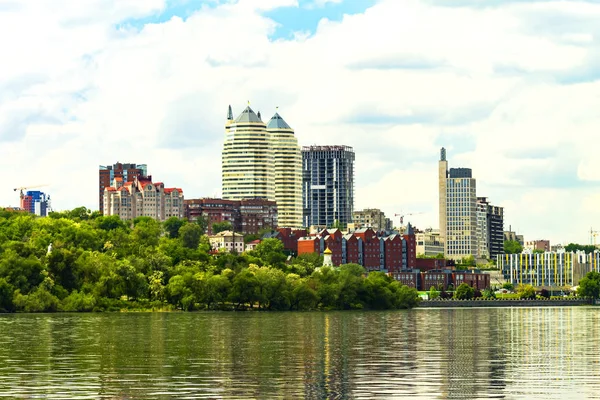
x=458, y=210
x=550, y=269
x=248, y=168
x=262, y=161
x=490, y=219
x=288, y=172
x=35, y=202
x=142, y=198
x=327, y=185
x=127, y=172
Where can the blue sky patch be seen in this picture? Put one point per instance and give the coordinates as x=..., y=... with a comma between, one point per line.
x=306, y=17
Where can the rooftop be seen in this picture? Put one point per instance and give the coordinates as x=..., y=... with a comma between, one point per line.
x=276, y=122
x=248, y=115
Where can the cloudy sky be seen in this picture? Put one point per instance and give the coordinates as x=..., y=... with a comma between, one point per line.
x=510, y=87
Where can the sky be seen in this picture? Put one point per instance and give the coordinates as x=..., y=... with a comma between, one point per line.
x=511, y=88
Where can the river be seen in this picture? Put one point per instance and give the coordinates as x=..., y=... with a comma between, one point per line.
x=502, y=353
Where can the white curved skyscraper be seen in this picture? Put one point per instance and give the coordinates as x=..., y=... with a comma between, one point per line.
x=288, y=172
x=248, y=170
x=263, y=161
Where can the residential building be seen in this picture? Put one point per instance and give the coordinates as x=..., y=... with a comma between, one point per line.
x=248, y=170
x=490, y=228
x=288, y=236
x=288, y=172
x=262, y=161
x=549, y=269
x=512, y=236
x=126, y=171
x=142, y=198
x=214, y=210
x=540, y=245
x=429, y=242
x=371, y=218
x=327, y=185
x=458, y=210
x=248, y=216
x=35, y=202
x=228, y=240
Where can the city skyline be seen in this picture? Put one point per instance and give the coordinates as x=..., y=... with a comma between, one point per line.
x=148, y=82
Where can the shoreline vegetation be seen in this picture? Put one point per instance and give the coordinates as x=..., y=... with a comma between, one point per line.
x=81, y=261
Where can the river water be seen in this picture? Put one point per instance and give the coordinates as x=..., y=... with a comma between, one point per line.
x=502, y=353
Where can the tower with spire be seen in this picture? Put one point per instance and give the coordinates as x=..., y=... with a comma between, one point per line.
x=248, y=171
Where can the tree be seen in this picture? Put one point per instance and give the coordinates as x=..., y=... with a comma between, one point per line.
x=488, y=293
x=202, y=222
x=221, y=227
x=6, y=296
x=508, y=286
x=589, y=285
x=190, y=235
x=271, y=251
x=464, y=292
x=172, y=226
x=526, y=292
x=512, y=247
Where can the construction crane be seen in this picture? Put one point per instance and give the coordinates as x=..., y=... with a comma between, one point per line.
x=593, y=235
x=405, y=215
x=21, y=189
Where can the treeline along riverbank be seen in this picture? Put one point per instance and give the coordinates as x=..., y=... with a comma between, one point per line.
x=82, y=261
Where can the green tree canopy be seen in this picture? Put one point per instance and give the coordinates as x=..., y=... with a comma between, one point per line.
x=512, y=247
x=589, y=285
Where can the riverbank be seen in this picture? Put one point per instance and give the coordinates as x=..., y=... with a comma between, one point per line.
x=504, y=303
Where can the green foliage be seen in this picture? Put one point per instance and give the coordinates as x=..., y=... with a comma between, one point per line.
x=439, y=256
x=588, y=248
x=589, y=285
x=99, y=263
x=221, y=227
x=433, y=293
x=512, y=247
x=464, y=292
x=488, y=293
x=526, y=292
x=508, y=286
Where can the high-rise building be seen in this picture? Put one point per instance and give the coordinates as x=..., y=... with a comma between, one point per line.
x=263, y=162
x=288, y=172
x=458, y=210
x=127, y=172
x=142, y=198
x=327, y=185
x=491, y=227
x=35, y=202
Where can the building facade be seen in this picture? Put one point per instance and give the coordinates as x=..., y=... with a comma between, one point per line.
x=429, y=242
x=288, y=172
x=228, y=240
x=248, y=216
x=327, y=185
x=142, y=198
x=248, y=170
x=371, y=218
x=549, y=269
x=262, y=161
x=127, y=172
x=540, y=245
x=458, y=210
x=35, y=202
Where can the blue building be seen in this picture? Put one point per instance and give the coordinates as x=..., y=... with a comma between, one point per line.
x=35, y=202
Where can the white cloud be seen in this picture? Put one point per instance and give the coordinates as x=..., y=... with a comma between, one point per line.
x=497, y=86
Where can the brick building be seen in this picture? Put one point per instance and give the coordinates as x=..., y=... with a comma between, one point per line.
x=126, y=172
x=248, y=216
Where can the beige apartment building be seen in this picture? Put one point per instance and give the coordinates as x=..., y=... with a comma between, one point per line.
x=429, y=243
x=371, y=218
x=227, y=240
x=142, y=198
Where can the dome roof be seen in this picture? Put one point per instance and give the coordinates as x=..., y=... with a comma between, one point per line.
x=327, y=251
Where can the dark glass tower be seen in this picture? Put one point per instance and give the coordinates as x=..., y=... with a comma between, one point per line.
x=327, y=185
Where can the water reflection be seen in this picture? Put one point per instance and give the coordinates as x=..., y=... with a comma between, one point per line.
x=420, y=354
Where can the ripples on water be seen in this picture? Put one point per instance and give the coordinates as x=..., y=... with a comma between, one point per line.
x=505, y=353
